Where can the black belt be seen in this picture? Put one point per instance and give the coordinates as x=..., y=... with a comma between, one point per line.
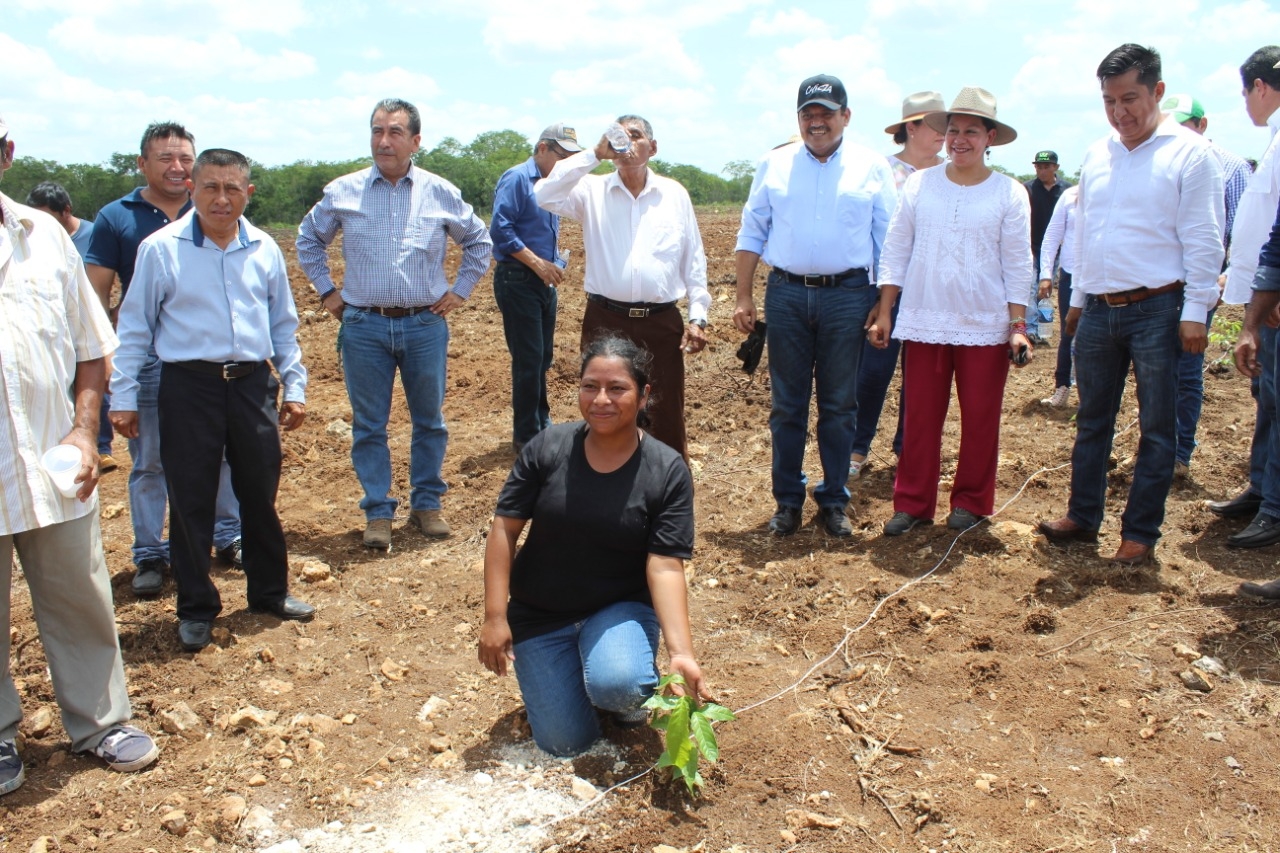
x=227, y=369
x=393, y=312
x=631, y=309
x=833, y=280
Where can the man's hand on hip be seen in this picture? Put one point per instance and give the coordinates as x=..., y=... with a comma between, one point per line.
x=333, y=304
x=446, y=303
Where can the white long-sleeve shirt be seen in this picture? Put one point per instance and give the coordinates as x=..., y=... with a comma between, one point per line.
x=1150, y=217
x=1060, y=234
x=1255, y=214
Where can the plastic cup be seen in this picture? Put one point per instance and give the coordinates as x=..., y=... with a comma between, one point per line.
x=62, y=463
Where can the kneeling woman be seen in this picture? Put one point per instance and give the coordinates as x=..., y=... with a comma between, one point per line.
x=578, y=608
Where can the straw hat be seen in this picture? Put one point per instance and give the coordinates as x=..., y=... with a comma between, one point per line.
x=918, y=106
x=973, y=101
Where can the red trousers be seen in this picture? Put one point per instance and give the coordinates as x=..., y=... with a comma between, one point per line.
x=980, y=373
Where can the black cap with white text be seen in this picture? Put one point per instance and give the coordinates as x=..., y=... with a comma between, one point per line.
x=824, y=90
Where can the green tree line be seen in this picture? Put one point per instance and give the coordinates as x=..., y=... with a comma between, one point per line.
x=285, y=193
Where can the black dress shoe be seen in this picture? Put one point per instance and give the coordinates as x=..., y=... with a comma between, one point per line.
x=195, y=634
x=286, y=608
x=785, y=521
x=1261, y=532
x=835, y=521
x=1243, y=505
x=1270, y=589
x=148, y=578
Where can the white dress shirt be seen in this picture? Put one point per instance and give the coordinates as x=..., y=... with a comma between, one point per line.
x=1060, y=234
x=644, y=248
x=1150, y=217
x=1255, y=214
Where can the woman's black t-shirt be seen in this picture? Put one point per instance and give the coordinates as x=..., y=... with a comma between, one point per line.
x=590, y=533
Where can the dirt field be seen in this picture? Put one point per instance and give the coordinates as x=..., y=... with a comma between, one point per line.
x=980, y=693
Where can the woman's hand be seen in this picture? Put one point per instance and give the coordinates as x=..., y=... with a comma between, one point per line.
x=1019, y=343
x=694, y=684
x=495, y=645
x=879, y=327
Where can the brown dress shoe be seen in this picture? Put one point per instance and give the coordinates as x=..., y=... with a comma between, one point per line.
x=1132, y=553
x=1066, y=530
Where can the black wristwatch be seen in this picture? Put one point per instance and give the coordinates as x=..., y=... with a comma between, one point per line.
x=701, y=324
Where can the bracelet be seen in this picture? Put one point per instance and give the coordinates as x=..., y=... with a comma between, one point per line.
x=1017, y=321
x=1019, y=328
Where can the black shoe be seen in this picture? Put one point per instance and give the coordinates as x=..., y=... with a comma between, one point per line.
x=835, y=521
x=1261, y=532
x=195, y=634
x=1270, y=589
x=287, y=608
x=785, y=521
x=148, y=579
x=902, y=522
x=961, y=519
x=231, y=554
x=1243, y=505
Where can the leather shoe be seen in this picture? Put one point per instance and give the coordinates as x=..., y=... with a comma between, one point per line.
x=1132, y=553
x=148, y=578
x=1262, y=531
x=1066, y=530
x=1243, y=505
x=195, y=634
x=1270, y=589
x=785, y=521
x=287, y=608
x=835, y=521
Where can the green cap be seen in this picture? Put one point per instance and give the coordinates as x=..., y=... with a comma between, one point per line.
x=1045, y=157
x=1183, y=107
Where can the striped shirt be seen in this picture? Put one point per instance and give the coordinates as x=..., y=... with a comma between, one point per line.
x=50, y=319
x=393, y=239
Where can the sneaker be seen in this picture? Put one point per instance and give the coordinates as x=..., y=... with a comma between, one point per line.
x=12, y=773
x=961, y=519
x=1061, y=395
x=107, y=462
x=902, y=522
x=127, y=749
x=232, y=554
x=1181, y=470
x=148, y=579
x=430, y=523
x=377, y=534
x=857, y=466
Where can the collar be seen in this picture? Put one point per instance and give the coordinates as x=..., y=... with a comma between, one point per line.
x=832, y=156
x=135, y=199
x=17, y=217
x=375, y=175
x=531, y=170
x=197, y=233
x=614, y=179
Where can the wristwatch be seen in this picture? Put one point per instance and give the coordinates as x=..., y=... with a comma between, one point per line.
x=701, y=324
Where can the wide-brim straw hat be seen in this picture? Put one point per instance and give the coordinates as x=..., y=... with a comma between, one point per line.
x=918, y=106
x=973, y=101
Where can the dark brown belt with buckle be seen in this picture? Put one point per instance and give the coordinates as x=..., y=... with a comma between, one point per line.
x=225, y=369
x=833, y=280
x=1128, y=297
x=396, y=312
x=637, y=310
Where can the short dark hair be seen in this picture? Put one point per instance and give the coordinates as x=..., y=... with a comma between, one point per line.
x=900, y=135
x=640, y=120
x=396, y=105
x=220, y=157
x=637, y=360
x=161, y=130
x=50, y=196
x=1127, y=57
x=1261, y=66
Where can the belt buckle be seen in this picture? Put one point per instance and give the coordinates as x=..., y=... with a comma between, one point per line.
x=226, y=370
x=807, y=276
x=638, y=312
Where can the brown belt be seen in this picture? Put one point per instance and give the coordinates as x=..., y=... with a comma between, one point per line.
x=397, y=312
x=1128, y=297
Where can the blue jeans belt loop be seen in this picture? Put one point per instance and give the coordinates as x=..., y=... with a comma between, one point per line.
x=1129, y=297
x=227, y=370
x=832, y=280
x=635, y=310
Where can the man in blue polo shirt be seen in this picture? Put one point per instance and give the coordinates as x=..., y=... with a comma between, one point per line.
x=168, y=152
x=529, y=266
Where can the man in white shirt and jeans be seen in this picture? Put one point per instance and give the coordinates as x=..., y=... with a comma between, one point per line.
x=1148, y=254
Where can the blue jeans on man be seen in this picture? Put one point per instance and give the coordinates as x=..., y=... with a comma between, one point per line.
x=606, y=661
x=874, y=375
x=1190, y=398
x=1108, y=340
x=373, y=348
x=1062, y=370
x=1264, y=456
x=815, y=338
x=528, y=309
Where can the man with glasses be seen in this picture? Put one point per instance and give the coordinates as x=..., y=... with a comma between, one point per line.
x=529, y=266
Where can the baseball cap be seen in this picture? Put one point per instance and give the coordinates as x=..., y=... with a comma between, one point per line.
x=823, y=89
x=563, y=135
x=1184, y=107
x=1045, y=157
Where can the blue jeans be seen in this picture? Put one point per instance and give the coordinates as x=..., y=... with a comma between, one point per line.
x=373, y=347
x=815, y=337
x=105, y=432
x=1033, y=312
x=148, y=495
x=606, y=661
x=1190, y=398
x=874, y=375
x=1264, y=456
x=529, y=323
x=1062, y=372
x=1108, y=340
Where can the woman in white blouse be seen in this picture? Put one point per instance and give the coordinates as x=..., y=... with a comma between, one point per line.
x=958, y=252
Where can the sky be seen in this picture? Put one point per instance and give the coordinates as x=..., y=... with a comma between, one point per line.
x=287, y=80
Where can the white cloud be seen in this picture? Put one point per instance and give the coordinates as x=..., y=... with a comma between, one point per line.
x=784, y=22
x=394, y=82
x=144, y=17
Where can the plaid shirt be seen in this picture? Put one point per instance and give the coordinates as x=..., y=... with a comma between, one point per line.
x=1235, y=177
x=393, y=239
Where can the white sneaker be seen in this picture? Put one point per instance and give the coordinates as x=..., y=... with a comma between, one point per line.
x=1061, y=395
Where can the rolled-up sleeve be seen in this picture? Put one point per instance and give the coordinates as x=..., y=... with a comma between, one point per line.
x=557, y=192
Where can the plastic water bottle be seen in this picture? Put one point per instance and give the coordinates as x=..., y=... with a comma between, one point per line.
x=619, y=141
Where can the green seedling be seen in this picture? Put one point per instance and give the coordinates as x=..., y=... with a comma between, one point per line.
x=688, y=731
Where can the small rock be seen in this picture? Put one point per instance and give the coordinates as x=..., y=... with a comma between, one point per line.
x=1232, y=763
x=266, y=655
x=257, y=780
x=314, y=571
x=257, y=821
x=341, y=429
x=112, y=511
x=438, y=743
x=275, y=686
x=57, y=759
x=667, y=848
x=181, y=720
x=222, y=638
x=583, y=790
x=482, y=778
x=431, y=708
x=41, y=721
x=230, y=809
x=41, y=844
x=462, y=628
x=274, y=748
x=348, y=719
x=250, y=717
x=787, y=836
x=174, y=822
x=1194, y=679
x=1185, y=652
x=448, y=758
x=1214, y=736
x=1211, y=665
x=800, y=819
x=393, y=670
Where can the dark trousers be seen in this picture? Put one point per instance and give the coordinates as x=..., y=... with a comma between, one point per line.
x=660, y=334
x=529, y=323
x=874, y=375
x=1062, y=372
x=203, y=416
